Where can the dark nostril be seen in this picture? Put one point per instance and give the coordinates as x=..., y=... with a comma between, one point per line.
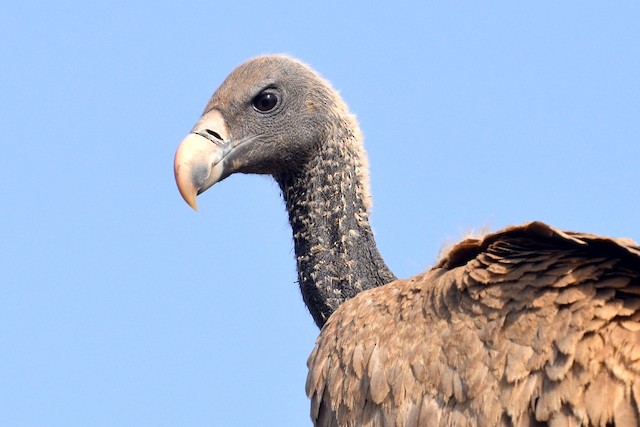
x=213, y=134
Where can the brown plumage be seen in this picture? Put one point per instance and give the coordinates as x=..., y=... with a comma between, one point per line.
x=526, y=326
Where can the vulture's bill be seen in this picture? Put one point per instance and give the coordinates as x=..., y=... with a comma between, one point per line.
x=526, y=326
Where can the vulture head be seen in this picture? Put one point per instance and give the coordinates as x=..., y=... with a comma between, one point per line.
x=274, y=115
x=269, y=116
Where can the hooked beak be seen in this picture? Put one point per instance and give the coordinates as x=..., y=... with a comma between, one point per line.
x=199, y=159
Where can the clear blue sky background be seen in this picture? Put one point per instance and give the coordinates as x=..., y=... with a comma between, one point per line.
x=119, y=306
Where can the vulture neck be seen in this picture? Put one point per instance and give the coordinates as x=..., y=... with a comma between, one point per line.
x=328, y=205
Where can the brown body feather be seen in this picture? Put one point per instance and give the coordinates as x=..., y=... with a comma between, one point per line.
x=528, y=325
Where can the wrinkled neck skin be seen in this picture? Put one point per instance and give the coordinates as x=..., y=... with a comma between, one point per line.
x=328, y=203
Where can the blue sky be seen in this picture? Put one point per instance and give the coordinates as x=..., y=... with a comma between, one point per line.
x=121, y=306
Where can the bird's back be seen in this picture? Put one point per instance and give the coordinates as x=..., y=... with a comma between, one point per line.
x=528, y=325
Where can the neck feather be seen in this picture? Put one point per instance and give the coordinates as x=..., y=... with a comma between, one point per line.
x=328, y=203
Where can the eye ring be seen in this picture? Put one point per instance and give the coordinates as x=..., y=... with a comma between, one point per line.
x=265, y=101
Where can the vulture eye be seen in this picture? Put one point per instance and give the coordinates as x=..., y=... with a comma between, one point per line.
x=264, y=102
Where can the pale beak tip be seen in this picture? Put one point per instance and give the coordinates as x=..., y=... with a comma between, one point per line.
x=187, y=189
x=191, y=202
x=189, y=193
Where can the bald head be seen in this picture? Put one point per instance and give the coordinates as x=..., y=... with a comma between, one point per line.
x=269, y=116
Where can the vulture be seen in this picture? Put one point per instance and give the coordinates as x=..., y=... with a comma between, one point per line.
x=529, y=325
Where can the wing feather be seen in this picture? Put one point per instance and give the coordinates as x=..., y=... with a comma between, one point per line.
x=528, y=325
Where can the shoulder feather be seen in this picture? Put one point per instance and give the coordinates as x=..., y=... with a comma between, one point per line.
x=530, y=324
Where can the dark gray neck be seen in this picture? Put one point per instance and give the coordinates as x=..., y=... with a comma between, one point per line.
x=335, y=250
